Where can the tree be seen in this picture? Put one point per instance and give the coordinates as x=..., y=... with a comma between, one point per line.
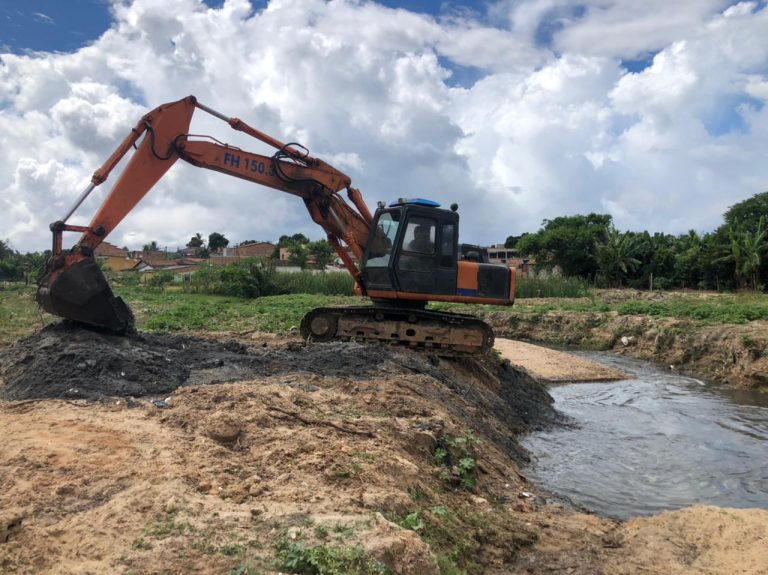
x=511, y=242
x=151, y=247
x=298, y=238
x=298, y=254
x=196, y=241
x=322, y=252
x=689, y=260
x=568, y=242
x=745, y=252
x=9, y=267
x=615, y=255
x=217, y=241
x=5, y=250
x=295, y=244
x=747, y=214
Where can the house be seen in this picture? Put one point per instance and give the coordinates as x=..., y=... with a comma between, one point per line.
x=150, y=263
x=250, y=250
x=114, y=258
x=246, y=250
x=498, y=254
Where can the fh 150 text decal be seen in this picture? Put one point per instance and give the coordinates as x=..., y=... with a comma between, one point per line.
x=247, y=164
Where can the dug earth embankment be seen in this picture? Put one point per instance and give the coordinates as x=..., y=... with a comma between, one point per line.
x=736, y=354
x=175, y=454
x=180, y=454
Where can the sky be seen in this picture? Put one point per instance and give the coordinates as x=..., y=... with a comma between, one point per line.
x=517, y=110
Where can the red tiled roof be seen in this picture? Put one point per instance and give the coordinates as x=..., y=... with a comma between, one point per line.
x=105, y=249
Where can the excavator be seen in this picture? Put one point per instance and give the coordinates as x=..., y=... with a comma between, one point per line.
x=403, y=256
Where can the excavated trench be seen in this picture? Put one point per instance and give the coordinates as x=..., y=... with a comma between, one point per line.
x=66, y=361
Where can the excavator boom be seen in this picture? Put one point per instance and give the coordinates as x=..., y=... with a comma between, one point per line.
x=73, y=286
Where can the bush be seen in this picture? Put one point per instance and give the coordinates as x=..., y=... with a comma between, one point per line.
x=160, y=279
x=551, y=287
x=251, y=277
x=327, y=283
x=256, y=277
x=127, y=279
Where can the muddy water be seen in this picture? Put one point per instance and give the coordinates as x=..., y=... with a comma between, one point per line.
x=655, y=442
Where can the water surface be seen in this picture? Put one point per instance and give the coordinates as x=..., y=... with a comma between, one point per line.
x=655, y=442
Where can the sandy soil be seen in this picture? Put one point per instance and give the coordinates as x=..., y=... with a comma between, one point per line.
x=694, y=541
x=736, y=354
x=224, y=478
x=554, y=366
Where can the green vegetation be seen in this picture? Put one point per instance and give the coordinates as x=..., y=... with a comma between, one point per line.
x=736, y=310
x=306, y=282
x=256, y=277
x=556, y=286
x=19, y=314
x=179, y=311
x=302, y=251
x=458, y=456
x=706, y=309
x=456, y=535
x=244, y=569
x=298, y=556
x=567, y=242
x=15, y=266
x=166, y=525
x=449, y=536
x=731, y=257
x=412, y=521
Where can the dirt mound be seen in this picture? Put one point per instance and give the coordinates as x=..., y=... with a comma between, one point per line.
x=351, y=450
x=65, y=361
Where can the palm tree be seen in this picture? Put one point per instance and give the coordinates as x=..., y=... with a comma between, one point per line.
x=745, y=252
x=5, y=250
x=615, y=255
x=196, y=241
x=754, y=245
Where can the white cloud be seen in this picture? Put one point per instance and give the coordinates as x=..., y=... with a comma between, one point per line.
x=368, y=88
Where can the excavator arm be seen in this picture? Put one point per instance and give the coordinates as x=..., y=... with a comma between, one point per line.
x=73, y=287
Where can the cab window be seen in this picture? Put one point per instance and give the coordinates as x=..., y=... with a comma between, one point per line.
x=420, y=235
x=380, y=250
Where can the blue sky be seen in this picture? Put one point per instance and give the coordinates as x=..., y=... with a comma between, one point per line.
x=66, y=25
x=518, y=110
x=51, y=25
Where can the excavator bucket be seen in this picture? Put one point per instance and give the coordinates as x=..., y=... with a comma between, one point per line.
x=81, y=293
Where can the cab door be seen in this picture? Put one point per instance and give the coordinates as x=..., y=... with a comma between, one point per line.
x=426, y=263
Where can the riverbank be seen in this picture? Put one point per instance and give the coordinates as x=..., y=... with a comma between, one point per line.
x=402, y=463
x=717, y=336
x=709, y=336
x=368, y=459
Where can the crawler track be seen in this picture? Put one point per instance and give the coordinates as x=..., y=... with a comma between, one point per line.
x=445, y=333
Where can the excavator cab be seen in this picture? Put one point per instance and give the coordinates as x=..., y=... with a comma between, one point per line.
x=413, y=257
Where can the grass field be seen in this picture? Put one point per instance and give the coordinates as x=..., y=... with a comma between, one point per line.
x=178, y=311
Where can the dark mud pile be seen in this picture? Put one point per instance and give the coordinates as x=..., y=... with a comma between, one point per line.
x=67, y=361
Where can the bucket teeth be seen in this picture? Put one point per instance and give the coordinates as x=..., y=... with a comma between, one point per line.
x=81, y=293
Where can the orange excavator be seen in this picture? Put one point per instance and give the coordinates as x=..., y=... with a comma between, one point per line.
x=404, y=255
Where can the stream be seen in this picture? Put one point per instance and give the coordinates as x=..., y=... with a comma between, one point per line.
x=655, y=442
